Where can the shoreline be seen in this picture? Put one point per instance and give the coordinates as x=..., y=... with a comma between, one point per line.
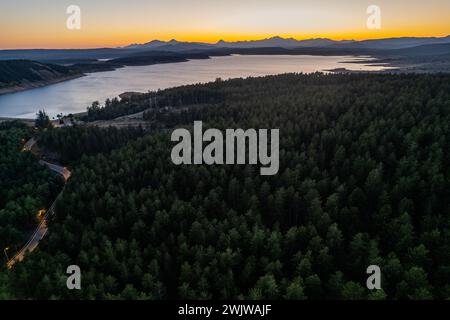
x=29, y=122
x=38, y=84
x=365, y=61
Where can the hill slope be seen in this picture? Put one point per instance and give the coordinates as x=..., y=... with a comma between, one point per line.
x=364, y=177
x=16, y=75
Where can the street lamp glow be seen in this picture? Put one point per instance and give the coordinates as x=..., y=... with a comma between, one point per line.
x=41, y=213
x=6, y=254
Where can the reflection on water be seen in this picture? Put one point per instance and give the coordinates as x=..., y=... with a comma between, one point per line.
x=75, y=95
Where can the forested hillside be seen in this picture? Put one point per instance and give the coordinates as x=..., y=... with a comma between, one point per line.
x=71, y=143
x=25, y=187
x=23, y=72
x=364, y=179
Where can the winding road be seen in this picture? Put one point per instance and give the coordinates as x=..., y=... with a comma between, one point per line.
x=42, y=228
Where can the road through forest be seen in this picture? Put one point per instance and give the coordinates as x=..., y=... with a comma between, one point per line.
x=42, y=228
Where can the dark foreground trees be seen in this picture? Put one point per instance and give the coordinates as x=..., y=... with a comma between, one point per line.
x=25, y=187
x=363, y=179
x=71, y=143
x=42, y=120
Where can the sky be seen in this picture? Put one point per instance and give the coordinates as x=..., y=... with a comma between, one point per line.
x=112, y=23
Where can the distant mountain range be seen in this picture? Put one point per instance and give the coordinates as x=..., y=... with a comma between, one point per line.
x=291, y=43
x=172, y=45
x=24, y=69
x=311, y=46
x=396, y=43
x=288, y=43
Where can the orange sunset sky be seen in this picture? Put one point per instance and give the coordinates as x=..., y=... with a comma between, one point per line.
x=111, y=23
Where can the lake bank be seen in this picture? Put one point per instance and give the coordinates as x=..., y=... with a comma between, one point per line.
x=75, y=95
x=37, y=84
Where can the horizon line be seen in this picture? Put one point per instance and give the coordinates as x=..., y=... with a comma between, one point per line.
x=232, y=41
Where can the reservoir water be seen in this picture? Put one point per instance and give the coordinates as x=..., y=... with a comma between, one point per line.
x=75, y=95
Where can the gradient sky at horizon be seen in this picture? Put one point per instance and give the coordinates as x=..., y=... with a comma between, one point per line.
x=110, y=23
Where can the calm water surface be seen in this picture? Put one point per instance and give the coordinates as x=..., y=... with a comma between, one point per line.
x=75, y=95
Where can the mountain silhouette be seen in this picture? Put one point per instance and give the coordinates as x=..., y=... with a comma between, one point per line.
x=290, y=43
